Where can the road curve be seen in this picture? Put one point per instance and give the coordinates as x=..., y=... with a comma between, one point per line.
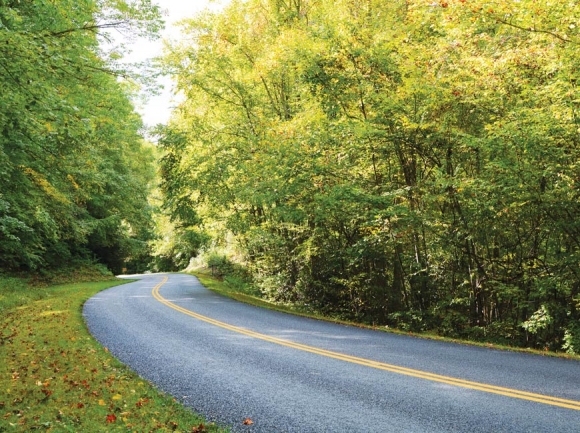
x=231, y=361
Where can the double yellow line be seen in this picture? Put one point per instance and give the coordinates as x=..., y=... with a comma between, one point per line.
x=508, y=392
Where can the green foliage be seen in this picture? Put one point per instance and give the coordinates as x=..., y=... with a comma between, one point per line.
x=406, y=163
x=175, y=244
x=75, y=173
x=541, y=319
x=218, y=264
x=572, y=338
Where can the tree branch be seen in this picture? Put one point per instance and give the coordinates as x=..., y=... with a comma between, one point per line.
x=534, y=30
x=89, y=28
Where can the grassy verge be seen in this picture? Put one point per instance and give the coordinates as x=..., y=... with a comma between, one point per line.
x=222, y=287
x=55, y=377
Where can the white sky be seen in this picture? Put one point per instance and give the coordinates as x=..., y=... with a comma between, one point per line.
x=158, y=108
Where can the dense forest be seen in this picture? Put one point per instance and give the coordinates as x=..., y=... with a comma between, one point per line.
x=403, y=163
x=75, y=173
x=407, y=163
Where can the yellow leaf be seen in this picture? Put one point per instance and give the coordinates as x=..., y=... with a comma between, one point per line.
x=101, y=402
x=117, y=397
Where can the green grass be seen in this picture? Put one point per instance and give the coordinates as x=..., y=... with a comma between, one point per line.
x=55, y=377
x=222, y=287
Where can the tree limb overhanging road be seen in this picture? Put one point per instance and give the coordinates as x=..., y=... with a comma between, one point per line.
x=231, y=361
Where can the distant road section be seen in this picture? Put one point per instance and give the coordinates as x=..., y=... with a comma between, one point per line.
x=232, y=362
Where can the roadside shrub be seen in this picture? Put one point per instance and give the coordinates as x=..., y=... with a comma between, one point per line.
x=218, y=264
x=572, y=338
x=453, y=324
x=411, y=321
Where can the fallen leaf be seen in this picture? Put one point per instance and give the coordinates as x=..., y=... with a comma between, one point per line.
x=248, y=421
x=101, y=402
x=117, y=397
x=111, y=418
x=199, y=429
x=142, y=401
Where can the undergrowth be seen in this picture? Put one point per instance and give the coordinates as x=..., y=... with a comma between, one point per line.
x=245, y=293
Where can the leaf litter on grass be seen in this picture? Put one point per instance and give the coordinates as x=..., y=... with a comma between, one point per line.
x=55, y=377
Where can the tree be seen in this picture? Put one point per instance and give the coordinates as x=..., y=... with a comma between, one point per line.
x=69, y=135
x=408, y=163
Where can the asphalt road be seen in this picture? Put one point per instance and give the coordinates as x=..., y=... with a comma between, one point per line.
x=231, y=361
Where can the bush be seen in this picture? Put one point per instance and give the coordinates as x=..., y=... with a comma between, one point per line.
x=572, y=338
x=412, y=321
x=218, y=264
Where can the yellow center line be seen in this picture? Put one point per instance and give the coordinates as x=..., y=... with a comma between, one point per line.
x=508, y=392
